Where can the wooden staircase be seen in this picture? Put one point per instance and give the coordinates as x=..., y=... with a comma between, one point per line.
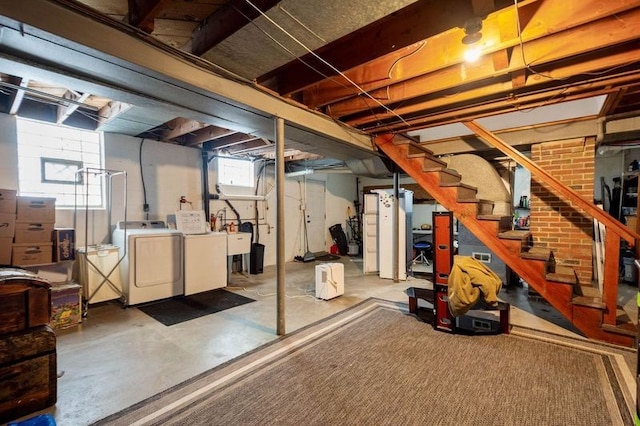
x=593, y=314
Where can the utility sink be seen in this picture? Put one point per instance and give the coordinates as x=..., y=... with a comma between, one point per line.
x=238, y=243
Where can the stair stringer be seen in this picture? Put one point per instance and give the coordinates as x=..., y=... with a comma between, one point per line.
x=557, y=294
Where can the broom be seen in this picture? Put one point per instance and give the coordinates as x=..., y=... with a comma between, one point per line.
x=308, y=256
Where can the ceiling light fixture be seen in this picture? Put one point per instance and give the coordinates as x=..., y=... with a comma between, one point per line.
x=472, y=31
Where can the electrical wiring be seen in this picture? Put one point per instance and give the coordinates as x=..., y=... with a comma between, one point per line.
x=424, y=43
x=286, y=49
x=258, y=293
x=528, y=65
x=314, y=54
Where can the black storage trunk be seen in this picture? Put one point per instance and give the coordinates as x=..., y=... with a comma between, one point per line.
x=256, y=258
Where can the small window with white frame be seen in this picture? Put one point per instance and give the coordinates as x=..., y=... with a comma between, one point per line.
x=49, y=158
x=235, y=171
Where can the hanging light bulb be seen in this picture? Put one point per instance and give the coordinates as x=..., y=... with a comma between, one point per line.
x=472, y=30
x=472, y=53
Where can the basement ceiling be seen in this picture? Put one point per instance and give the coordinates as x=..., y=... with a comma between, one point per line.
x=371, y=67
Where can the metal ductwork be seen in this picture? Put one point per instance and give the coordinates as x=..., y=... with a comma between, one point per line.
x=373, y=166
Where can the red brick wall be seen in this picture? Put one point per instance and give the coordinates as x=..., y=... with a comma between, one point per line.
x=554, y=222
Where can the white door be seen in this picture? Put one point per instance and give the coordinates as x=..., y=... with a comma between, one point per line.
x=315, y=216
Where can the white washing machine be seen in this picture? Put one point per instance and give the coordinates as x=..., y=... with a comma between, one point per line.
x=152, y=267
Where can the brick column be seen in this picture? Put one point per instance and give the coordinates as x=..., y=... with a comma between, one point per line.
x=555, y=223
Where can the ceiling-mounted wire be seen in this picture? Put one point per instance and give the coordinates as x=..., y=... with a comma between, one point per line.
x=343, y=75
x=550, y=77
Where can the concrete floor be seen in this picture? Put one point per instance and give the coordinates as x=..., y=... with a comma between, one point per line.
x=118, y=357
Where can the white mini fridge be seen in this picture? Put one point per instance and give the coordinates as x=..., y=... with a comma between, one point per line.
x=329, y=280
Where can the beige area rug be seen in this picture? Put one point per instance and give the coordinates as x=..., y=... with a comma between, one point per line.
x=374, y=364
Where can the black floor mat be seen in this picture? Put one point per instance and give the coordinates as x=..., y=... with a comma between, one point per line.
x=184, y=308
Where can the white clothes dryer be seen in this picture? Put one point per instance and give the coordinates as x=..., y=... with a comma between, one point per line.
x=152, y=266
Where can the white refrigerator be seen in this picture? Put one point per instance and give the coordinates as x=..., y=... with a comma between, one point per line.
x=384, y=232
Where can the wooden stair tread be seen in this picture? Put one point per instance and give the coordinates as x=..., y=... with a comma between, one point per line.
x=593, y=302
x=561, y=278
x=623, y=326
x=459, y=184
x=474, y=200
x=626, y=329
x=493, y=217
x=589, y=291
x=515, y=234
x=536, y=253
x=431, y=163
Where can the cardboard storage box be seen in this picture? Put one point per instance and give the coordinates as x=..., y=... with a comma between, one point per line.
x=31, y=254
x=33, y=232
x=66, y=305
x=64, y=243
x=6, y=246
x=8, y=201
x=38, y=209
x=7, y=224
x=28, y=372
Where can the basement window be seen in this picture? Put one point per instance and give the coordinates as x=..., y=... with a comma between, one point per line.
x=49, y=156
x=235, y=172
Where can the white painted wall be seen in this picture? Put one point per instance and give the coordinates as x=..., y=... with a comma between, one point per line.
x=171, y=171
x=8, y=152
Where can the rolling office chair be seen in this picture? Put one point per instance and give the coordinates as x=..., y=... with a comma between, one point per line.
x=424, y=252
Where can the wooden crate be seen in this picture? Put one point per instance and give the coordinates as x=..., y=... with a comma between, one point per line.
x=25, y=300
x=28, y=376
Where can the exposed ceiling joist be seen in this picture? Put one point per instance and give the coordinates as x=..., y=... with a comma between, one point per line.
x=15, y=101
x=179, y=127
x=142, y=13
x=206, y=134
x=110, y=112
x=426, y=18
x=228, y=141
x=64, y=111
x=415, y=61
x=225, y=22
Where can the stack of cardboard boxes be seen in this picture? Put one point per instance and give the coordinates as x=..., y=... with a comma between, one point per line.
x=7, y=224
x=28, y=239
x=35, y=217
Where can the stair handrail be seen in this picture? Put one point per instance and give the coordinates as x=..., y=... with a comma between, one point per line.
x=612, y=224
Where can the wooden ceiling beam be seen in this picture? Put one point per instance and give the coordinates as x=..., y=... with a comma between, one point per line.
x=252, y=145
x=110, y=112
x=179, y=127
x=206, y=134
x=577, y=41
x=425, y=18
x=64, y=111
x=506, y=104
x=499, y=32
x=225, y=22
x=142, y=13
x=228, y=141
x=16, y=98
x=612, y=102
x=563, y=74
